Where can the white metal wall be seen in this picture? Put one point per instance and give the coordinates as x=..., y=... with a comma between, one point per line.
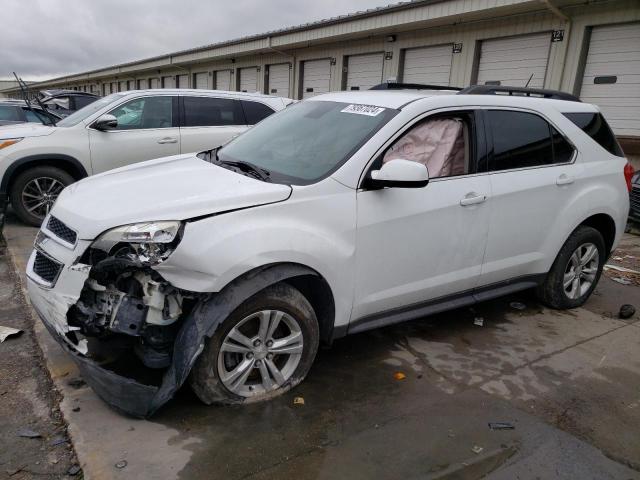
x=316, y=77
x=279, y=79
x=611, y=77
x=515, y=61
x=428, y=65
x=364, y=71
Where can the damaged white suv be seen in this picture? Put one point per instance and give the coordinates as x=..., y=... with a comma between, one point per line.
x=342, y=213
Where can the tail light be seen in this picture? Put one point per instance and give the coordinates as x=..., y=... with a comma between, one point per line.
x=628, y=173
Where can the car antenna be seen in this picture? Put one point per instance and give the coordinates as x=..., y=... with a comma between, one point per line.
x=529, y=81
x=25, y=95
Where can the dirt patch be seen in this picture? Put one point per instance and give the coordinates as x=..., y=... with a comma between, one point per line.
x=33, y=434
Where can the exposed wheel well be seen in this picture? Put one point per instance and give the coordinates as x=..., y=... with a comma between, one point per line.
x=605, y=225
x=69, y=165
x=317, y=291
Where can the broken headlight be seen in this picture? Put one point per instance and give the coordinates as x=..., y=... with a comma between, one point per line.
x=150, y=242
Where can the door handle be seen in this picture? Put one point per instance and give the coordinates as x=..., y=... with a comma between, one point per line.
x=162, y=141
x=564, y=179
x=472, y=199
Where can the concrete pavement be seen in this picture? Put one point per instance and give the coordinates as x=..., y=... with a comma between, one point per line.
x=568, y=381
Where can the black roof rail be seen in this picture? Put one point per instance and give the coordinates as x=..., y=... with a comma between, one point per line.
x=412, y=86
x=518, y=92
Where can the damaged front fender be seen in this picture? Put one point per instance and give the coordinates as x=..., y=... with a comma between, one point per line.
x=141, y=400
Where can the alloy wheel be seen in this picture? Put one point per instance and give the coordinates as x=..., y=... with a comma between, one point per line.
x=581, y=271
x=260, y=353
x=39, y=195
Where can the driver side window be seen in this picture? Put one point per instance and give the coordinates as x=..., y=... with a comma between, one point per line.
x=146, y=112
x=442, y=143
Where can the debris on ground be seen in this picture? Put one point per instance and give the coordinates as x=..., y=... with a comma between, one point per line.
x=6, y=332
x=501, y=426
x=622, y=274
x=622, y=281
x=626, y=311
x=399, y=376
x=121, y=464
x=477, y=449
x=518, y=305
x=57, y=440
x=298, y=401
x=28, y=433
x=75, y=409
x=479, y=321
x=74, y=470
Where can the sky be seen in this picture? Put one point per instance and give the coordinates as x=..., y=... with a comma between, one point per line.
x=42, y=39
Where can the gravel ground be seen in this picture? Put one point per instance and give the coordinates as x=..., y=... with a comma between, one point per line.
x=28, y=399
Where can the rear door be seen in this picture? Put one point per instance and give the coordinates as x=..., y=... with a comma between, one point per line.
x=147, y=128
x=533, y=177
x=209, y=122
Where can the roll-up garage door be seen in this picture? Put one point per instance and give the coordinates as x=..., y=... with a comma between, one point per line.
x=183, y=81
x=364, y=71
x=201, y=80
x=223, y=80
x=154, y=83
x=169, y=82
x=427, y=65
x=248, y=79
x=612, y=76
x=123, y=86
x=316, y=77
x=279, y=80
x=513, y=60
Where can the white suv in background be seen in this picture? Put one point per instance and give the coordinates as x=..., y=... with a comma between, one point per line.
x=342, y=213
x=38, y=161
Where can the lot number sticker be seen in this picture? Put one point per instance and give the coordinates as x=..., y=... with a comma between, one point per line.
x=368, y=110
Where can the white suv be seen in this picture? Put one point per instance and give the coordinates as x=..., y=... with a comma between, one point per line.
x=38, y=161
x=342, y=213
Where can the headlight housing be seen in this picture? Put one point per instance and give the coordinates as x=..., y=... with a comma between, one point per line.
x=7, y=142
x=149, y=242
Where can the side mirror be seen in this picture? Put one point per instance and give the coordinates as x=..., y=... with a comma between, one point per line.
x=400, y=173
x=105, y=122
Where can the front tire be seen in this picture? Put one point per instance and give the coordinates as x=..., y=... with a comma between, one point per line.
x=263, y=349
x=576, y=270
x=35, y=190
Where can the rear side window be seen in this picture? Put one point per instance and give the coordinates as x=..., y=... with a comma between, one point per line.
x=211, y=112
x=519, y=140
x=522, y=140
x=255, y=111
x=594, y=125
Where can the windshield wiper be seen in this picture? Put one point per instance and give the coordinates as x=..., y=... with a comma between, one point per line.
x=258, y=172
x=211, y=156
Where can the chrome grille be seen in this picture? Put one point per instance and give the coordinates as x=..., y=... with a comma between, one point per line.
x=46, y=268
x=61, y=231
x=634, y=198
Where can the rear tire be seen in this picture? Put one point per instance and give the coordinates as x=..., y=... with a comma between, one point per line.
x=35, y=190
x=238, y=347
x=575, y=271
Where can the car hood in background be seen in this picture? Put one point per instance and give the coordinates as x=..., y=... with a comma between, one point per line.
x=25, y=130
x=171, y=188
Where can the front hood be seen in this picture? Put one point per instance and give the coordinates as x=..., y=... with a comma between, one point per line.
x=24, y=130
x=171, y=188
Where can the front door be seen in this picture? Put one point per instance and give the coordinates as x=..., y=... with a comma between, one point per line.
x=145, y=131
x=416, y=245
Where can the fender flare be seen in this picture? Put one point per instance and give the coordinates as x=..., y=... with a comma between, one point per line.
x=80, y=171
x=205, y=318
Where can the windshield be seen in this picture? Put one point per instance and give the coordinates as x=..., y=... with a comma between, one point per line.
x=89, y=110
x=307, y=141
